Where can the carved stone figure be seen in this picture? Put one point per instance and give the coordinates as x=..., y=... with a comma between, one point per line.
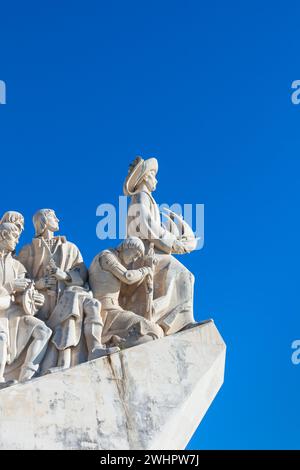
x=140, y=292
x=20, y=331
x=172, y=306
x=110, y=271
x=60, y=274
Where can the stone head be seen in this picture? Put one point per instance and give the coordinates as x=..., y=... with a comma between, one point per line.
x=14, y=217
x=45, y=219
x=9, y=236
x=141, y=173
x=131, y=249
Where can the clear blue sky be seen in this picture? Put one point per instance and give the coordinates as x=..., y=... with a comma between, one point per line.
x=205, y=87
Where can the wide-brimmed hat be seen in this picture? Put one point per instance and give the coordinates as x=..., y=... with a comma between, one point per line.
x=137, y=171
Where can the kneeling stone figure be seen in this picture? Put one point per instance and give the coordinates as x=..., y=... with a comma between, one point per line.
x=107, y=274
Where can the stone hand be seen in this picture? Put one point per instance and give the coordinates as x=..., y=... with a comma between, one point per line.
x=39, y=299
x=178, y=247
x=20, y=285
x=55, y=271
x=60, y=275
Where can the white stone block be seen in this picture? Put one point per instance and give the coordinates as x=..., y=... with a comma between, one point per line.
x=152, y=396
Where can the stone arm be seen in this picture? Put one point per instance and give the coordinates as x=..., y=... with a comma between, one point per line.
x=73, y=271
x=12, y=286
x=143, y=224
x=19, y=273
x=77, y=274
x=74, y=274
x=5, y=296
x=109, y=262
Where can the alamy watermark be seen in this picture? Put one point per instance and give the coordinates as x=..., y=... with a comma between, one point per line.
x=183, y=222
x=2, y=92
x=295, y=358
x=295, y=96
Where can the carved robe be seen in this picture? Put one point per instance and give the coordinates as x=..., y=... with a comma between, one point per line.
x=13, y=320
x=36, y=257
x=62, y=310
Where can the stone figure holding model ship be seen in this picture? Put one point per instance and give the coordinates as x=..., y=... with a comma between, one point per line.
x=172, y=305
x=20, y=331
x=70, y=310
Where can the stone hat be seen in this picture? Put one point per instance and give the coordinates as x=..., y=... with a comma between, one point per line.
x=137, y=170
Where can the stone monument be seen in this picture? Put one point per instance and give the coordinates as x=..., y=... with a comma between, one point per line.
x=108, y=357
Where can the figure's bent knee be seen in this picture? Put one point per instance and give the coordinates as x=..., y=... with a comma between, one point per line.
x=91, y=304
x=92, y=311
x=42, y=332
x=93, y=318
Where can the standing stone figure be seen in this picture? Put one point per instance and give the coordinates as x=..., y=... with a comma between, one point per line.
x=60, y=274
x=173, y=283
x=20, y=332
x=108, y=273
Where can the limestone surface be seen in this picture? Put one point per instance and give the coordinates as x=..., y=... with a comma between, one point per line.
x=152, y=396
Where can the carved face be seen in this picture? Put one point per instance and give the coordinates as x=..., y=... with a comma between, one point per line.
x=130, y=255
x=52, y=222
x=151, y=180
x=10, y=241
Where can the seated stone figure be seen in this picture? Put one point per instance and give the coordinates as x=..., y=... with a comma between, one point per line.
x=110, y=271
x=20, y=331
x=60, y=274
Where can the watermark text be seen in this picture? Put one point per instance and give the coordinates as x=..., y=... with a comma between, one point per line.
x=2, y=92
x=176, y=221
x=295, y=358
